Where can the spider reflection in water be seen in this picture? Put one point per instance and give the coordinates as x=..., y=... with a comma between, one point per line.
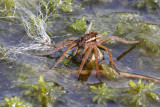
x=89, y=42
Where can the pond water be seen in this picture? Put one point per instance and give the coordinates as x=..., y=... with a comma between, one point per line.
x=26, y=24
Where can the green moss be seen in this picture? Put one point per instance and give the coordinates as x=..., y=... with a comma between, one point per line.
x=7, y=4
x=132, y=28
x=148, y=5
x=150, y=44
x=79, y=25
x=137, y=94
x=66, y=6
x=103, y=93
x=1, y=51
x=42, y=92
x=140, y=94
x=15, y=102
x=66, y=61
x=7, y=7
x=49, y=7
x=109, y=72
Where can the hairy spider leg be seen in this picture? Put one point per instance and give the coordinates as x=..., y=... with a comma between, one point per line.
x=85, y=49
x=66, y=40
x=63, y=55
x=75, y=51
x=56, y=49
x=110, y=55
x=84, y=60
x=118, y=39
x=96, y=62
x=60, y=43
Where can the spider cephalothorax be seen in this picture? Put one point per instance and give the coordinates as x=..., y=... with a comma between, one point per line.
x=89, y=42
x=90, y=37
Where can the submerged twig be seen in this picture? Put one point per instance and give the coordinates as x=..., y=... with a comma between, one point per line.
x=126, y=74
x=131, y=75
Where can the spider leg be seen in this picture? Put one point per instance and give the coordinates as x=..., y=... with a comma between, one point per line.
x=75, y=51
x=118, y=39
x=64, y=53
x=110, y=55
x=96, y=62
x=66, y=40
x=56, y=49
x=85, y=49
x=84, y=60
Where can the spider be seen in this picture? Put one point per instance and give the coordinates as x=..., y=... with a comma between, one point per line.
x=89, y=42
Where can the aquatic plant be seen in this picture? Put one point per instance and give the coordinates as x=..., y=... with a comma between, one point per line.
x=42, y=92
x=103, y=93
x=14, y=102
x=79, y=25
x=140, y=94
x=3, y=53
x=7, y=9
x=66, y=5
x=109, y=72
x=149, y=5
x=133, y=28
x=1, y=50
x=49, y=8
x=67, y=61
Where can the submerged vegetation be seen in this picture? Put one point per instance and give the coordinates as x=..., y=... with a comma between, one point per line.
x=1, y=51
x=66, y=6
x=14, y=102
x=140, y=94
x=109, y=72
x=151, y=6
x=7, y=9
x=103, y=93
x=44, y=22
x=79, y=25
x=137, y=94
x=134, y=28
x=42, y=92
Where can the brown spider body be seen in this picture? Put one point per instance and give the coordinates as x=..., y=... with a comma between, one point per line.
x=90, y=43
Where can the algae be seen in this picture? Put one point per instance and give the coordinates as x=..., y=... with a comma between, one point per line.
x=14, y=102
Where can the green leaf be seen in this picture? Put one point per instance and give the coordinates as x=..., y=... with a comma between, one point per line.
x=79, y=25
x=132, y=83
x=6, y=100
x=41, y=80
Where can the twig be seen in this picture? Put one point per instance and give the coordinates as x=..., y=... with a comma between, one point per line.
x=125, y=74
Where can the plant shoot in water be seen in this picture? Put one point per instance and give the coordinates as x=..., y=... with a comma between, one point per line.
x=14, y=102
x=103, y=93
x=42, y=92
x=140, y=94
